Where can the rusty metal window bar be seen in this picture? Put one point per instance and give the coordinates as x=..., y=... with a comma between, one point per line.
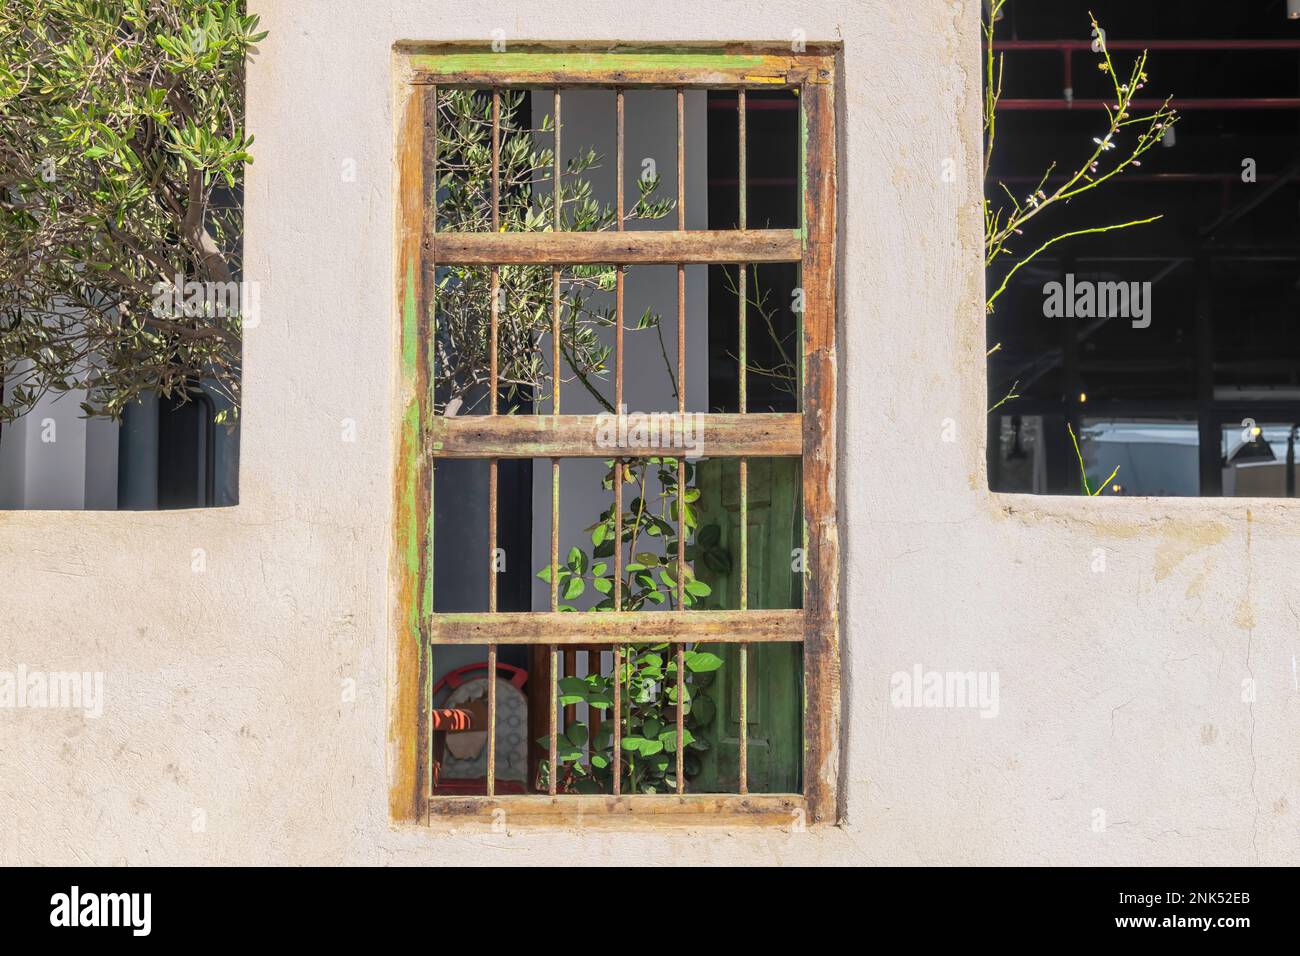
x=807, y=434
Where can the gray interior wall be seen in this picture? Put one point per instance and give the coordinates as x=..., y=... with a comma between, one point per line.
x=96, y=464
x=51, y=460
x=650, y=129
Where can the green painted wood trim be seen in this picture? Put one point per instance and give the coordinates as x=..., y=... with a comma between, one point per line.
x=448, y=65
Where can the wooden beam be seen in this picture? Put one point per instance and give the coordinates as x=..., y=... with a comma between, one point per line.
x=822, y=699
x=623, y=627
x=408, y=728
x=551, y=65
x=595, y=810
x=641, y=247
x=605, y=436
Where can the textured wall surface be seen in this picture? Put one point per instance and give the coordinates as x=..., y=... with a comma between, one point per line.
x=226, y=636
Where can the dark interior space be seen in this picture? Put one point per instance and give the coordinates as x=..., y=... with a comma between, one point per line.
x=1205, y=398
x=772, y=202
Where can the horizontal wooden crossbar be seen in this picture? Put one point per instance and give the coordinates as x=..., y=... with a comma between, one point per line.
x=625, y=627
x=606, y=436
x=535, y=65
x=640, y=247
x=595, y=810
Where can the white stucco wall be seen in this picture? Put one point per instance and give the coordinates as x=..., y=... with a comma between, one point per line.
x=226, y=636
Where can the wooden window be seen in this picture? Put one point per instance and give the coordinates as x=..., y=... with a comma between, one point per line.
x=804, y=438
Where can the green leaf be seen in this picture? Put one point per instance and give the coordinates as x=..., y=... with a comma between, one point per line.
x=703, y=709
x=573, y=690
x=701, y=662
x=669, y=739
x=718, y=561
x=574, y=588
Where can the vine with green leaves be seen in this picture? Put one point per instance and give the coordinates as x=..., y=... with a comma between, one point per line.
x=648, y=674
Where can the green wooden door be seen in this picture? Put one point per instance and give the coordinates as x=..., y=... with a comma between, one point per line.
x=775, y=670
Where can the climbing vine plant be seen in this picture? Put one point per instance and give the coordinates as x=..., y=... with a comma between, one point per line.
x=648, y=675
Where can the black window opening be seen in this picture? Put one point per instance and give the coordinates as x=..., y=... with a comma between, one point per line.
x=1196, y=391
x=772, y=194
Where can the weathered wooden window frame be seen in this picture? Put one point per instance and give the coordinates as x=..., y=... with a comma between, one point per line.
x=421, y=437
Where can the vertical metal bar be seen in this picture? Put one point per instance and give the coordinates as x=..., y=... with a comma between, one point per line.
x=557, y=199
x=743, y=650
x=570, y=670
x=681, y=716
x=496, y=227
x=618, y=719
x=496, y=158
x=430, y=205
x=618, y=275
x=618, y=102
x=618, y=606
x=492, y=465
x=620, y=148
x=555, y=601
x=681, y=158
x=555, y=272
x=681, y=461
x=593, y=715
x=555, y=462
x=743, y=655
x=554, y=775
x=492, y=648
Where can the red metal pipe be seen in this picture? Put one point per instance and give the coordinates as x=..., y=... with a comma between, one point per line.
x=1230, y=103
x=1130, y=177
x=1148, y=44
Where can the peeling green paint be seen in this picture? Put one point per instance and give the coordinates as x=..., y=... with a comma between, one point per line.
x=410, y=333
x=410, y=446
x=451, y=64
